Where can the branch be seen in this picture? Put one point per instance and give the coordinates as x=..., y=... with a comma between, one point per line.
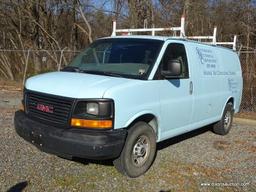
x=7, y=66
x=89, y=33
x=81, y=28
x=51, y=37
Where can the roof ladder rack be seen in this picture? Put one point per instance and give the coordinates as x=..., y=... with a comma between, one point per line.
x=229, y=43
x=181, y=29
x=213, y=39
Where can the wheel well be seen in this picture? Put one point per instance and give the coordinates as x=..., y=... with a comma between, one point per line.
x=150, y=119
x=231, y=100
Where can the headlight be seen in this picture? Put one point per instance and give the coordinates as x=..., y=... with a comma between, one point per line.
x=93, y=114
x=92, y=108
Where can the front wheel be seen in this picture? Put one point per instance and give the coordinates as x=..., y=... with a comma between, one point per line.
x=139, y=151
x=224, y=125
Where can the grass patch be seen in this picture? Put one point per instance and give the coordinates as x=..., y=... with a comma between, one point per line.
x=67, y=181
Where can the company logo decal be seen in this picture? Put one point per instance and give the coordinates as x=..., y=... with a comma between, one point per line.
x=207, y=57
x=44, y=108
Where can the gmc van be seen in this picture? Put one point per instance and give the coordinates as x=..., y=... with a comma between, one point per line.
x=124, y=94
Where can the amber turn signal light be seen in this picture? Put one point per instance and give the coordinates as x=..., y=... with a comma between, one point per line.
x=97, y=124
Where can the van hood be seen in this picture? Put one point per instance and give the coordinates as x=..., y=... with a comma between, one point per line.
x=74, y=85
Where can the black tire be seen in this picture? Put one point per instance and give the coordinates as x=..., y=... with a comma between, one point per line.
x=139, y=151
x=223, y=126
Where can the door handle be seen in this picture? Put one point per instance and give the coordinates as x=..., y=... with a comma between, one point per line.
x=191, y=88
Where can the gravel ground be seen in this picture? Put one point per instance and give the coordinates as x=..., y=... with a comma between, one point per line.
x=198, y=161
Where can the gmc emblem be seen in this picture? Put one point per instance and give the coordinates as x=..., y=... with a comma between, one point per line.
x=44, y=108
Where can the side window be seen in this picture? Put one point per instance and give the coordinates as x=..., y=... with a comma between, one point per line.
x=176, y=51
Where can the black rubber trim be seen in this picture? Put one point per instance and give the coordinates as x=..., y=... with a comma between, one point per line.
x=90, y=144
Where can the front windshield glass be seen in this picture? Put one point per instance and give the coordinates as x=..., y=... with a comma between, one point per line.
x=131, y=58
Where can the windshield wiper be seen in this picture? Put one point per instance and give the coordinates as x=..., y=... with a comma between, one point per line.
x=108, y=73
x=78, y=70
x=71, y=69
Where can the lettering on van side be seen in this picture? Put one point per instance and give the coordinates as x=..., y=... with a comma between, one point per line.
x=209, y=63
x=232, y=85
x=224, y=73
x=207, y=58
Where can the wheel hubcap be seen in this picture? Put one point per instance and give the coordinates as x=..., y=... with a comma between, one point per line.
x=140, y=151
x=227, y=120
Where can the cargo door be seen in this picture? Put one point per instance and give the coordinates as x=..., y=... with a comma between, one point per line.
x=208, y=95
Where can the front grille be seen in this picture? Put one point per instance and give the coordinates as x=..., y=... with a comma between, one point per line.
x=51, y=109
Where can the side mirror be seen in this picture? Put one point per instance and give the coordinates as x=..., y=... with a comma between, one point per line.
x=173, y=69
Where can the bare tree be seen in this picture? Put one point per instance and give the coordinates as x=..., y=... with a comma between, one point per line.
x=88, y=32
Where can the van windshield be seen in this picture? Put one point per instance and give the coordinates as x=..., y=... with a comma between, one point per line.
x=129, y=57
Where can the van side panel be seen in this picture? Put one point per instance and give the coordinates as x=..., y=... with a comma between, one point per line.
x=218, y=79
x=234, y=81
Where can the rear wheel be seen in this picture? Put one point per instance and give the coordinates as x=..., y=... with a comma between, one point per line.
x=139, y=151
x=224, y=125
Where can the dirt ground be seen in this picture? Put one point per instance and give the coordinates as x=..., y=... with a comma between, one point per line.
x=246, y=115
x=197, y=161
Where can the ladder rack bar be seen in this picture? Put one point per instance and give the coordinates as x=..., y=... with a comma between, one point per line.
x=200, y=37
x=149, y=29
x=224, y=43
x=152, y=30
x=114, y=28
x=182, y=26
x=214, y=40
x=229, y=43
x=234, y=43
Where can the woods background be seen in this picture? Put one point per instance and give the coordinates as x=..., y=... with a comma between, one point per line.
x=42, y=35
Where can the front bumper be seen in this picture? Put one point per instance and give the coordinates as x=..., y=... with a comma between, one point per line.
x=71, y=142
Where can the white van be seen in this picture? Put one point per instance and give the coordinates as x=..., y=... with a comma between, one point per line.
x=123, y=94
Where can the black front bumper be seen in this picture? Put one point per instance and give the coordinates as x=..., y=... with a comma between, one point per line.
x=70, y=143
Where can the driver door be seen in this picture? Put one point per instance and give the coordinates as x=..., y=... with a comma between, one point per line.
x=176, y=93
